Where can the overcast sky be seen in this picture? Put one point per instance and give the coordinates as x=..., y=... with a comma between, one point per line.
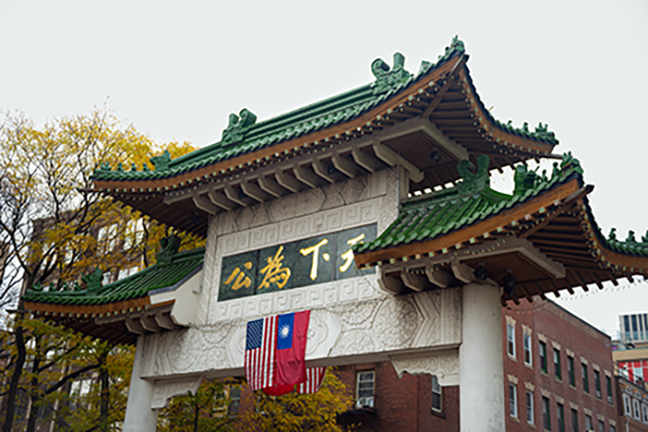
x=177, y=69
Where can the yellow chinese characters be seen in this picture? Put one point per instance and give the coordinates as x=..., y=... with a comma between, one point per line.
x=274, y=272
x=348, y=255
x=315, y=251
x=241, y=279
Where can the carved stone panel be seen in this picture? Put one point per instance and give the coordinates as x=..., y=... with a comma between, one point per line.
x=443, y=364
x=163, y=390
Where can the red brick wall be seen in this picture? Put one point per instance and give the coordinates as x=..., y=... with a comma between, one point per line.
x=569, y=333
x=402, y=403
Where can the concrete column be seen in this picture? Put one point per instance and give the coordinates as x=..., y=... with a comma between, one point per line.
x=139, y=415
x=481, y=368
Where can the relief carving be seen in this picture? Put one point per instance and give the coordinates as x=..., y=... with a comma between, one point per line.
x=443, y=364
x=354, y=342
x=396, y=322
x=163, y=390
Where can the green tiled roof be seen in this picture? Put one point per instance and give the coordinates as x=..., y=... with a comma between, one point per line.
x=243, y=135
x=157, y=276
x=434, y=215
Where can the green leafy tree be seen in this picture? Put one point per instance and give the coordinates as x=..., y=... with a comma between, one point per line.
x=51, y=228
x=296, y=412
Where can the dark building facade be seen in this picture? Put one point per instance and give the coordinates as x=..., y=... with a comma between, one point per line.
x=558, y=376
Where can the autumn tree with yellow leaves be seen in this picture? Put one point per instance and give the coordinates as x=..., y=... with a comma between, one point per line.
x=51, y=227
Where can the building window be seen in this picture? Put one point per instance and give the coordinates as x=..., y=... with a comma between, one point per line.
x=644, y=408
x=513, y=411
x=608, y=384
x=557, y=366
x=437, y=395
x=626, y=405
x=365, y=389
x=235, y=401
x=543, y=356
x=529, y=407
x=574, y=419
x=528, y=359
x=570, y=371
x=546, y=415
x=635, y=405
x=588, y=422
x=601, y=426
x=510, y=339
x=560, y=415
x=585, y=379
x=612, y=428
x=597, y=383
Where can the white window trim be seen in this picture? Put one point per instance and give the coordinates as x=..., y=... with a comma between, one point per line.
x=513, y=401
x=530, y=420
x=510, y=340
x=528, y=335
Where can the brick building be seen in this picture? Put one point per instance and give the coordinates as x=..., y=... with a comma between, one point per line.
x=558, y=377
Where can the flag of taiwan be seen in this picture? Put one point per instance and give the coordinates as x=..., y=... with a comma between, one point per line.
x=290, y=369
x=275, y=352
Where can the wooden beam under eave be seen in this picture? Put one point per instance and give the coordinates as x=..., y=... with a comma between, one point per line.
x=254, y=191
x=415, y=282
x=307, y=177
x=218, y=198
x=289, y=182
x=327, y=172
x=205, y=205
x=367, y=161
x=133, y=325
x=393, y=159
x=391, y=282
x=345, y=166
x=269, y=185
x=239, y=198
x=149, y=324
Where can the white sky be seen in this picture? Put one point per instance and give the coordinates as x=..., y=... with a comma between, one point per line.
x=177, y=69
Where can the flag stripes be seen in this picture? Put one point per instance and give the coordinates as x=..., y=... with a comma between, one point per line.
x=314, y=379
x=259, y=354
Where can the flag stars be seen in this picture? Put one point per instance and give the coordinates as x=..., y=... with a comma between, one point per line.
x=284, y=331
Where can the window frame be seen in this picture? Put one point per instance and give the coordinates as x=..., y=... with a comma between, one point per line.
x=608, y=384
x=597, y=384
x=510, y=340
x=560, y=416
x=359, y=374
x=527, y=343
x=530, y=408
x=574, y=419
x=571, y=370
x=557, y=364
x=585, y=376
x=546, y=413
x=513, y=401
x=542, y=353
x=435, y=379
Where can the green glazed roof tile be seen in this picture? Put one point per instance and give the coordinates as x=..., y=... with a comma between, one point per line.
x=427, y=217
x=313, y=117
x=135, y=286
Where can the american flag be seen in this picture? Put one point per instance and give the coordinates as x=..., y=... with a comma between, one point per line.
x=260, y=352
x=314, y=379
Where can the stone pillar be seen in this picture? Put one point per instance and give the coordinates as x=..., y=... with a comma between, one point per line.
x=481, y=367
x=139, y=415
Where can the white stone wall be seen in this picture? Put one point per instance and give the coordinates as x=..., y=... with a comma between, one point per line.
x=351, y=319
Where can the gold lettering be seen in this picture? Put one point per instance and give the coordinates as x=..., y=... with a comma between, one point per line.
x=241, y=279
x=348, y=255
x=274, y=272
x=315, y=251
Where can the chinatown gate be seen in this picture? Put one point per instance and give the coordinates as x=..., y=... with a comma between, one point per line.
x=374, y=210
